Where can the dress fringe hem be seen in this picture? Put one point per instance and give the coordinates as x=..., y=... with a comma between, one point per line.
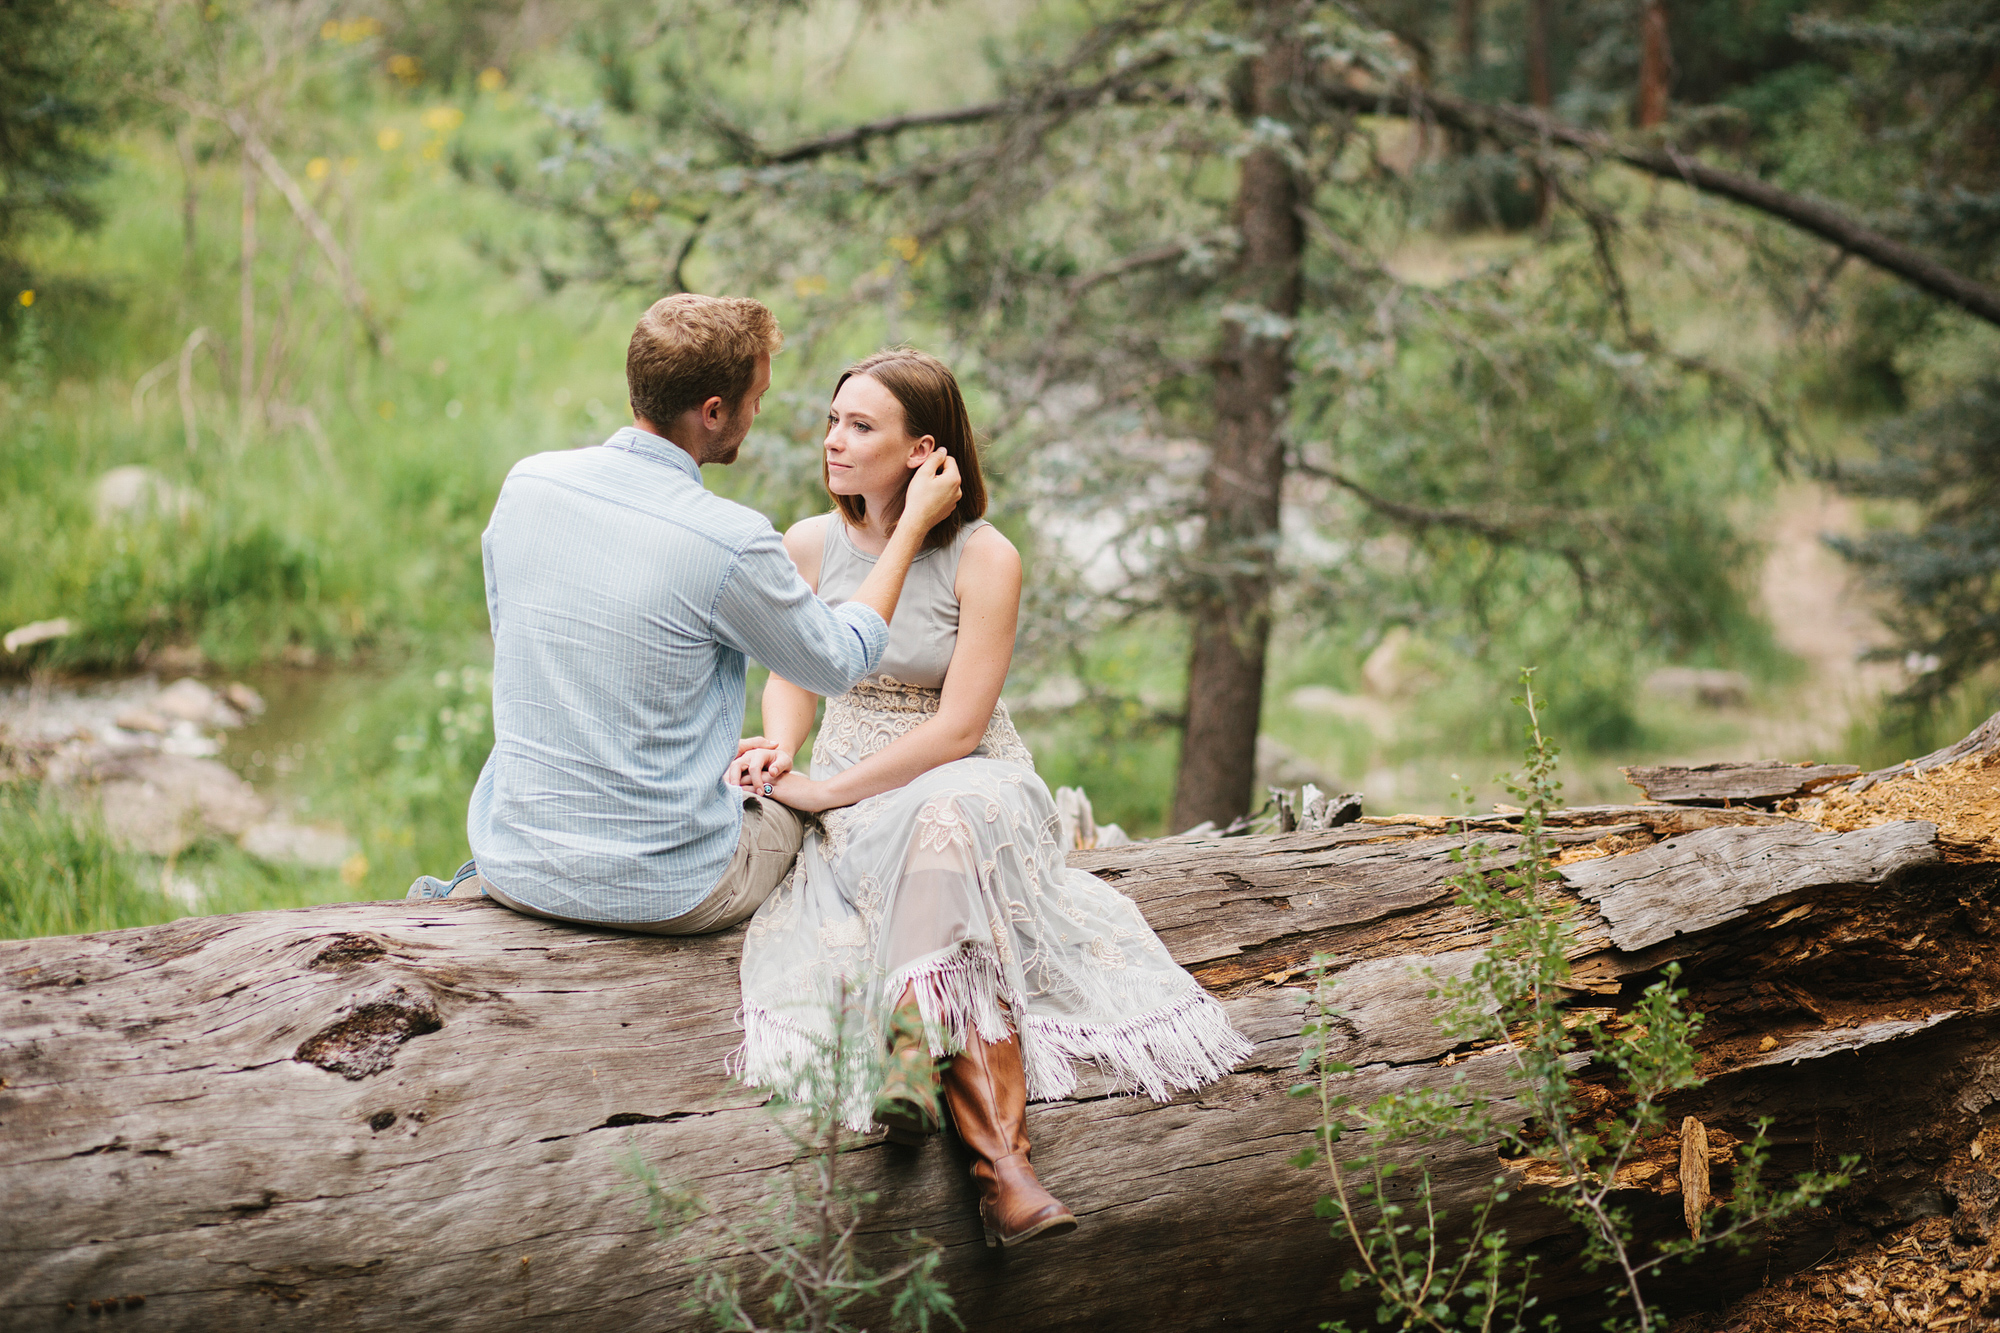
x=1177, y=1047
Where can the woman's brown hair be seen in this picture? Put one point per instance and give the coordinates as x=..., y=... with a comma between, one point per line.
x=933, y=406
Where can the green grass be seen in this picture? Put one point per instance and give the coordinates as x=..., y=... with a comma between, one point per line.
x=61, y=875
x=61, y=878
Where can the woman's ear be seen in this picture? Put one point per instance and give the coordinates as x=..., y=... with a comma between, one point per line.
x=921, y=450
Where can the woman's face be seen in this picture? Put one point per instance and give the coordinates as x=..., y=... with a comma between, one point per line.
x=869, y=449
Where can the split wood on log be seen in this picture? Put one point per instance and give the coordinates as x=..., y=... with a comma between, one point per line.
x=1761, y=782
x=393, y=1116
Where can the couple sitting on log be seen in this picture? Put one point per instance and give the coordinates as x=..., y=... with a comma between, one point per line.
x=917, y=864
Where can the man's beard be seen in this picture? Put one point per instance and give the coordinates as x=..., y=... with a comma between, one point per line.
x=727, y=454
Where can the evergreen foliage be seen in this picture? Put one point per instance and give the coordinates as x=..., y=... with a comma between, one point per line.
x=60, y=62
x=1918, y=89
x=1942, y=575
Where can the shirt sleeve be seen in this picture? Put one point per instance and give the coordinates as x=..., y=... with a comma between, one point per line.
x=766, y=611
x=492, y=584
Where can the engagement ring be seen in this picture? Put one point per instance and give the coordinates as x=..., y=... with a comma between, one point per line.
x=767, y=789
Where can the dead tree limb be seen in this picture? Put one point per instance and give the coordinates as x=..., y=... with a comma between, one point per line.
x=1522, y=127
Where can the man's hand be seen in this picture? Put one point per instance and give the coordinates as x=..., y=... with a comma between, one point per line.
x=933, y=492
x=758, y=762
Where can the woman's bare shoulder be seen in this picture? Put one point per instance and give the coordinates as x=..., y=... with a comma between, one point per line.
x=988, y=552
x=805, y=543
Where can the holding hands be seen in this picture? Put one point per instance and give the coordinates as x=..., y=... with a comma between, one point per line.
x=762, y=768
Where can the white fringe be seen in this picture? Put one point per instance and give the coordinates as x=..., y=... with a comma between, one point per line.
x=1179, y=1047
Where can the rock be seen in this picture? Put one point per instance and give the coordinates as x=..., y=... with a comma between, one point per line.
x=161, y=803
x=1387, y=673
x=1278, y=765
x=174, y=658
x=319, y=846
x=187, y=739
x=186, y=698
x=40, y=631
x=1373, y=713
x=1702, y=685
x=191, y=701
x=133, y=493
x=141, y=719
x=244, y=699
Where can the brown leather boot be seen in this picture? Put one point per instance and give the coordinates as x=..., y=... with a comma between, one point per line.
x=987, y=1091
x=907, y=1106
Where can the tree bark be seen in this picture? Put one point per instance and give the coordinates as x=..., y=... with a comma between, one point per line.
x=1230, y=612
x=392, y=1116
x=1541, y=90
x=1468, y=15
x=1655, y=65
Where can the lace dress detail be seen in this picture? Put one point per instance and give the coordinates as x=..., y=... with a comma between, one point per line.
x=957, y=885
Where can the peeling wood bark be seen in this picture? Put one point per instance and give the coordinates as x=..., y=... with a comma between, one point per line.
x=387, y=1115
x=1760, y=782
x=1984, y=740
x=1690, y=884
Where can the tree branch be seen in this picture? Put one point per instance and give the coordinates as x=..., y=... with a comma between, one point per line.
x=316, y=226
x=855, y=138
x=1523, y=125
x=1413, y=515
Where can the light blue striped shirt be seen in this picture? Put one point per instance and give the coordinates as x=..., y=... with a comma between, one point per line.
x=624, y=598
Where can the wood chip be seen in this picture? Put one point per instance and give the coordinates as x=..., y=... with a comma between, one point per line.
x=1694, y=1173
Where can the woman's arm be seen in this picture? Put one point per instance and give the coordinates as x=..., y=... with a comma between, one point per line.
x=789, y=710
x=989, y=607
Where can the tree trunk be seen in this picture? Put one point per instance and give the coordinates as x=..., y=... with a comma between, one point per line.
x=1655, y=65
x=391, y=1116
x=1230, y=616
x=1541, y=90
x=246, y=319
x=1467, y=14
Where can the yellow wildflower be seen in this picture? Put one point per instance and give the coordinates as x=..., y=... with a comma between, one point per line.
x=491, y=80
x=389, y=140
x=28, y=297
x=317, y=168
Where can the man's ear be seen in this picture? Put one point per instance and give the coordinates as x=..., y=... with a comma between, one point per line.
x=713, y=412
x=921, y=450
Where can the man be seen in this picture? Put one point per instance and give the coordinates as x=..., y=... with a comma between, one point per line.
x=624, y=599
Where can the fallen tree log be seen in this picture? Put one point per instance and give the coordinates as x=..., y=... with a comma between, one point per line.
x=385, y=1116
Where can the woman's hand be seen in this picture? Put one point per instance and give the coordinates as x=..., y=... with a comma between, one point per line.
x=801, y=793
x=758, y=761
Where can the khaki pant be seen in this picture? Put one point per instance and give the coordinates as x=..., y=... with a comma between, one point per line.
x=769, y=843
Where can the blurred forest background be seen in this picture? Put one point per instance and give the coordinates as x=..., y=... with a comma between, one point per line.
x=1334, y=361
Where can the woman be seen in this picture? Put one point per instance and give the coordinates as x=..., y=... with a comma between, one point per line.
x=934, y=885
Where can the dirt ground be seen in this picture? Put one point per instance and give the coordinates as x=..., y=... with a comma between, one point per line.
x=1937, y=1273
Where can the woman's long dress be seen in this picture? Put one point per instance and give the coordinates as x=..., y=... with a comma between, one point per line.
x=956, y=884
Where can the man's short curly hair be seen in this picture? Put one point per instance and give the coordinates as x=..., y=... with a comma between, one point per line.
x=689, y=349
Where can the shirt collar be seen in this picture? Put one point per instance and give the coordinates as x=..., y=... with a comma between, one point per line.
x=661, y=450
